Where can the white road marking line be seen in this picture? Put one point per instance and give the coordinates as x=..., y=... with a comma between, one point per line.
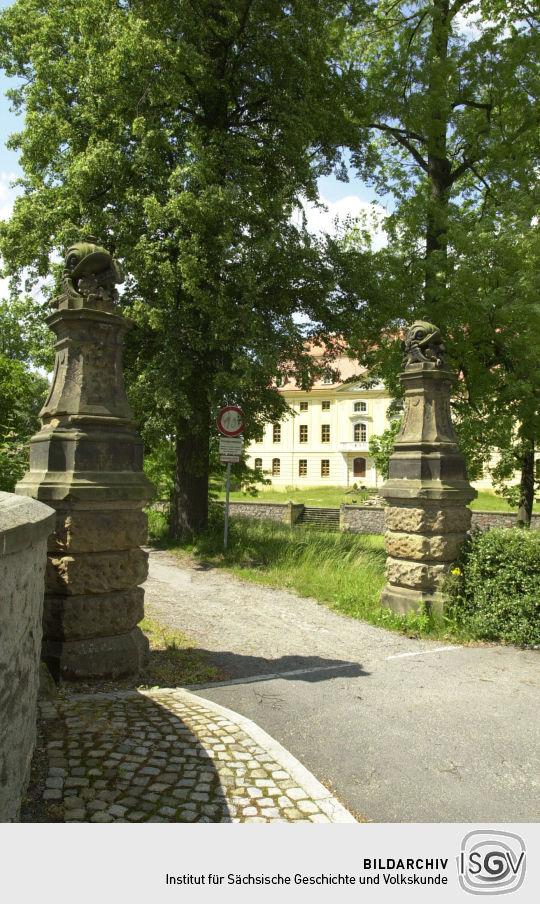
x=272, y=676
x=424, y=652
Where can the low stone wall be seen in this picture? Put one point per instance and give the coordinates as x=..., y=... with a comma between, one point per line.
x=356, y=519
x=24, y=527
x=265, y=511
x=487, y=520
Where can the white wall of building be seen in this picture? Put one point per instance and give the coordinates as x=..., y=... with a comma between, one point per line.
x=333, y=449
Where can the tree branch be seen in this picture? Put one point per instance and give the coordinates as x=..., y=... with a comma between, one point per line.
x=472, y=103
x=403, y=138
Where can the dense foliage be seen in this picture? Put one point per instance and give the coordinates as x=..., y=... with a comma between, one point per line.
x=450, y=135
x=182, y=135
x=22, y=390
x=495, y=588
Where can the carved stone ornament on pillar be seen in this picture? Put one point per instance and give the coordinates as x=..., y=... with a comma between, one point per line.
x=427, y=490
x=86, y=462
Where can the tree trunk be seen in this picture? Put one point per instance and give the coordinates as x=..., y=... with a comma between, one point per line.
x=189, y=504
x=438, y=164
x=526, y=489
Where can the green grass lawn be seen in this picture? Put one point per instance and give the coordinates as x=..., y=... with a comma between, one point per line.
x=332, y=497
x=329, y=497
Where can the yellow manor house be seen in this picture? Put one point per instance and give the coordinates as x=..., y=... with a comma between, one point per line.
x=325, y=439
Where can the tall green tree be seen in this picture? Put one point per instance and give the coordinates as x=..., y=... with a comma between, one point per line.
x=452, y=134
x=22, y=389
x=182, y=134
x=451, y=95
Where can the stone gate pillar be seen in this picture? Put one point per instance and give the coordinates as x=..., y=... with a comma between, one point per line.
x=86, y=463
x=427, y=488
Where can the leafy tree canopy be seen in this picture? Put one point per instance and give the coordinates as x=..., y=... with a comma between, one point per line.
x=182, y=135
x=448, y=125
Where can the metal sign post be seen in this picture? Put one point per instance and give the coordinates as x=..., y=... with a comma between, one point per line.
x=227, y=488
x=230, y=424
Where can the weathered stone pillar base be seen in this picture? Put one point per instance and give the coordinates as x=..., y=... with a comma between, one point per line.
x=403, y=600
x=96, y=657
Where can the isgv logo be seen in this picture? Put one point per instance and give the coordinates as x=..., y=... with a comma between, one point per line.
x=491, y=862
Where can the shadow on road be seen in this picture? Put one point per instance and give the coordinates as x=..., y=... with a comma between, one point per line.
x=296, y=668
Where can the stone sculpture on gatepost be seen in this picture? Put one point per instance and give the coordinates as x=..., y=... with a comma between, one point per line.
x=427, y=490
x=86, y=462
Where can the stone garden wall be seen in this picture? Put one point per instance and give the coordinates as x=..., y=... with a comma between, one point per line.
x=24, y=527
x=358, y=519
x=265, y=511
x=487, y=520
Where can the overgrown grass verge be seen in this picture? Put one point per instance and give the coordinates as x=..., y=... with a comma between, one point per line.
x=343, y=571
x=173, y=659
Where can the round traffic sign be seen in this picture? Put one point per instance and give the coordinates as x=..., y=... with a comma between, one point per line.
x=231, y=420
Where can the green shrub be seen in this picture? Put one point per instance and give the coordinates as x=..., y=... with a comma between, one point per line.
x=494, y=591
x=158, y=525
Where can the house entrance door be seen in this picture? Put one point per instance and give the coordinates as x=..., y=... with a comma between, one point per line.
x=359, y=467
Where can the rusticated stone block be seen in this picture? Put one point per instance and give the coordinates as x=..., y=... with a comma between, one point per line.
x=429, y=519
x=96, y=572
x=422, y=575
x=80, y=530
x=403, y=600
x=430, y=547
x=94, y=657
x=79, y=617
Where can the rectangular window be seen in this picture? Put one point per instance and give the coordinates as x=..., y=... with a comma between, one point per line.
x=275, y=467
x=360, y=433
x=328, y=377
x=360, y=406
x=325, y=433
x=303, y=406
x=258, y=463
x=303, y=433
x=325, y=467
x=276, y=433
x=302, y=467
x=326, y=405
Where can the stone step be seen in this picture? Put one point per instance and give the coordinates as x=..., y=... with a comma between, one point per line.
x=323, y=518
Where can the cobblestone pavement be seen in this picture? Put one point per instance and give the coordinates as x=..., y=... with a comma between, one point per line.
x=170, y=756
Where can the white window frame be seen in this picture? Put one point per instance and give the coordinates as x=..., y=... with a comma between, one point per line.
x=359, y=425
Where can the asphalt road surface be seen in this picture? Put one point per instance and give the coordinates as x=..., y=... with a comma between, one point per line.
x=401, y=730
